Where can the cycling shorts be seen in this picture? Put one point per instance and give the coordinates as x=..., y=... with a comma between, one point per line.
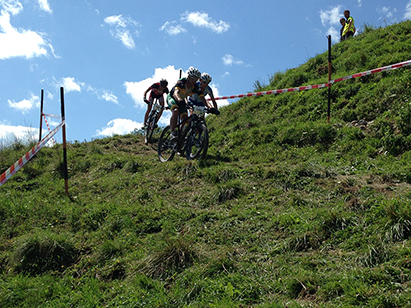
x=172, y=103
x=153, y=96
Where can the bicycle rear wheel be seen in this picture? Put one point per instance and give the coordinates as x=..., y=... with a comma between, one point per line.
x=166, y=148
x=197, y=142
x=150, y=128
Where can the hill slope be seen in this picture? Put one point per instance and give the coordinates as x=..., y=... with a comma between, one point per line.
x=287, y=209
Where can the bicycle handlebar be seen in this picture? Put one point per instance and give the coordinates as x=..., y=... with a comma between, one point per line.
x=150, y=104
x=207, y=109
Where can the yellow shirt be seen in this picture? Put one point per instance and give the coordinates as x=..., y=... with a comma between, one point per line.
x=347, y=27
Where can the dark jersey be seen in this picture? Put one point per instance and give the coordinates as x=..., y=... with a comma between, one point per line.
x=184, y=91
x=155, y=92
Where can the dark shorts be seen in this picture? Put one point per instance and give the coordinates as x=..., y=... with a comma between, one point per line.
x=348, y=34
x=154, y=96
x=172, y=103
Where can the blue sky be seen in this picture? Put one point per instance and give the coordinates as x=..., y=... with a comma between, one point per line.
x=107, y=53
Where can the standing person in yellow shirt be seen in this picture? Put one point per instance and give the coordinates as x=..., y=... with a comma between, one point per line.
x=349, y=28
x=342, y=22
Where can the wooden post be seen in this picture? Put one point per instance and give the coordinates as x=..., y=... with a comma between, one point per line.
x=329, y=78
x=63, y=118
x=41, y=113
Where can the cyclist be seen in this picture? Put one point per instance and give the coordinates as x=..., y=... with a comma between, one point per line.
x=157, y=91
x=203, y=84
x=176, y=98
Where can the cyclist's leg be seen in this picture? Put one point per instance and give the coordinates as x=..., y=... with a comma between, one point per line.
x=150, y=99
x=160, y=113
x=183, y=113
x=172, y=104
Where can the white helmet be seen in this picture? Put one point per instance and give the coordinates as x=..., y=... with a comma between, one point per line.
x=206, y=78
x=192, y=71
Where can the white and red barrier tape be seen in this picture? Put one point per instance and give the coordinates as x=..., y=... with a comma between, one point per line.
x=377, y=70
x=22, y=161
x=324, y=85
x=45, y=120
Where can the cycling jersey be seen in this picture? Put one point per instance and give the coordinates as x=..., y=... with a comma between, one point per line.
x=184, y=92
x=195, y=98
x=156, y=92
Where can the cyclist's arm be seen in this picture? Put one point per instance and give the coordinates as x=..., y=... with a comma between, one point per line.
x=213, y=100
x=176, y=95
x=205, y=102
x=145, y=93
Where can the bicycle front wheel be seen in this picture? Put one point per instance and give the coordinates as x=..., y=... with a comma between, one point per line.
x=150, y=128
x=197, y=142
x=166, y=148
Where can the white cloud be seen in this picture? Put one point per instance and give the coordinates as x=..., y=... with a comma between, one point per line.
x=26, y=104
x=9, y=133
x=19, y=43
x=387, y=11
x=201, y=19
x=137, y=89
x=335, y=34
x=13, y=7
x=50, y=95
x=230, y=60
x=122, y=31
x=118, y=127
x=331, y=17
x=109, y=96
x=197, y=19
x=70, y=84
x=104, y=95
x=407, y=14
x=172, y=29
x=44, y=5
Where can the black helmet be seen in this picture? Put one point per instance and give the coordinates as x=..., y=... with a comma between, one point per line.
x=163, y=83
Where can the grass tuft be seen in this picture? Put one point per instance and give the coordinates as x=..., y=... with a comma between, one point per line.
x=176, y=256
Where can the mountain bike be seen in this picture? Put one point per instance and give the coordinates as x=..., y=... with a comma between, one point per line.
x=151, y=120
x=192, y=137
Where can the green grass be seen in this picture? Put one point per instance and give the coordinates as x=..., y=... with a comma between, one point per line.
x=287, y=210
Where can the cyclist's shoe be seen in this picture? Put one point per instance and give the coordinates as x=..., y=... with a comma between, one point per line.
x=155, y=125
x=173, y=137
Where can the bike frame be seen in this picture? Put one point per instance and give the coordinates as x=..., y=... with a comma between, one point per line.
x=152, y=119
x=195, y=117
x=186, y=138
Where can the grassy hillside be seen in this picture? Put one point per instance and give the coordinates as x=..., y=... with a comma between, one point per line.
x=287, y=210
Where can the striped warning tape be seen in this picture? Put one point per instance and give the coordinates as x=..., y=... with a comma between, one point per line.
x=318, y=86
x=52, y=116
x=324, y=85
x=45, y=119
x=26, y=157
x=377, y=70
